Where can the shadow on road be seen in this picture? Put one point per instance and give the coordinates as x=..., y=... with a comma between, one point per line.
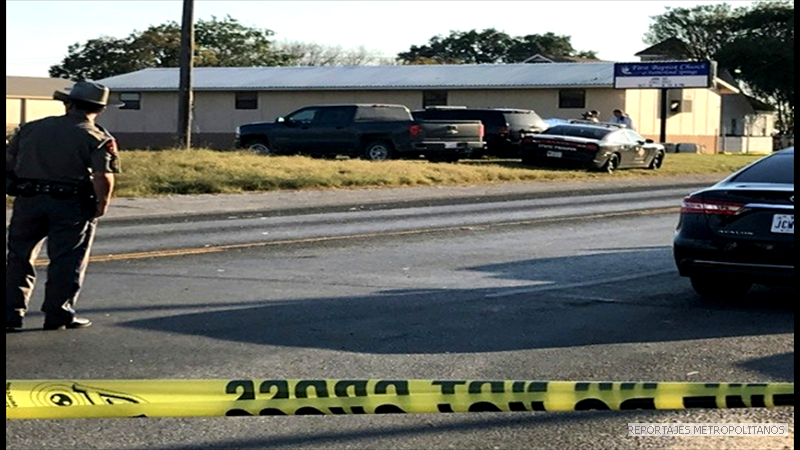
x=775, y=367
x=616, y=302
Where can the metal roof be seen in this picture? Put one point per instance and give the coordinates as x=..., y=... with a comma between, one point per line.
x=34, y=87
x=476, y=76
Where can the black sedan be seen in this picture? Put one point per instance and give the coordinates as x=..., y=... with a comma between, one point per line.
x=591, y=145
x=740, y=231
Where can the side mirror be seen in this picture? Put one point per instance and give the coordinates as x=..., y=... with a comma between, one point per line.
x=280, y=120
x=648, y=141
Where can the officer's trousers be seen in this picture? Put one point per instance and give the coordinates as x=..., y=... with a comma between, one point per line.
x=69, y=229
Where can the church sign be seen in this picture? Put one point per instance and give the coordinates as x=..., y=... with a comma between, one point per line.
x=664, y=75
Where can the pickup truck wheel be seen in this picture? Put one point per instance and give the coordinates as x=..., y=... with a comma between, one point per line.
x=260, y=147
x=378, y=151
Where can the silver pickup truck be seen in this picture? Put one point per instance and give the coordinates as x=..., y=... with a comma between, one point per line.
x=371, y=131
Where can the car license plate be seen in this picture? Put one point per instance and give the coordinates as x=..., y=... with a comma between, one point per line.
x=552, y=154
x=783, y=223
x=451, y=145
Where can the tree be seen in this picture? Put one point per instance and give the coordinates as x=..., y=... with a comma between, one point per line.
x=547, y=44
x=762, y=56
x=95, y=59
x=314, y=54
x=704, y=28
x=487, y=47
x=756, y=43
x=228, y=43
x=218, y=43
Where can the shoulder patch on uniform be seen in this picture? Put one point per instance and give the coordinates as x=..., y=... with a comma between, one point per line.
x=111, y=147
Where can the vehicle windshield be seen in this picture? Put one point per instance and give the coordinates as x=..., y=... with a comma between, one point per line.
x=584, y=132
x=776, y=168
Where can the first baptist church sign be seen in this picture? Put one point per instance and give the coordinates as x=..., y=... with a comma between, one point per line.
x=664, y=75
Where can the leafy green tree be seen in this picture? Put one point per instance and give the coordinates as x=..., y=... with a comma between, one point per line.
x=218, y=43
x=95, y=59
x=548, y=44
x=487, y=47
x=755, y=42
x=228, y=43
x=158, y=46
x=705, y=28
x=761, y=53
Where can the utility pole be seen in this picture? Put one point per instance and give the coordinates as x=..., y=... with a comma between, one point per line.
x=185, y=87
x=664, y=114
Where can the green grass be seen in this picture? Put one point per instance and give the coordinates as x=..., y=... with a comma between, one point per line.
x=202, y=171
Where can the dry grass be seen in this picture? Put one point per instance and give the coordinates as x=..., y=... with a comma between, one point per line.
x=200, y=171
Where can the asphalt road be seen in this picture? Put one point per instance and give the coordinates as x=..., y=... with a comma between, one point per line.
x=576, y=298
x=157, y=226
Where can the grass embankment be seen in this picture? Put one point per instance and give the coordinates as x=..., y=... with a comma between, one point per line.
x=199, y=171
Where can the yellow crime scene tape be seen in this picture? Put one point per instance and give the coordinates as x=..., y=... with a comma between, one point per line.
x=64, y=399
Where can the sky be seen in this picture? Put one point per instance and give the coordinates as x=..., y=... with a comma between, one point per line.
x=38, y=33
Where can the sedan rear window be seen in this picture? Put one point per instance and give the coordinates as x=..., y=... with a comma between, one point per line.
x=777, y=168
x=525, y=120
x=584, y=132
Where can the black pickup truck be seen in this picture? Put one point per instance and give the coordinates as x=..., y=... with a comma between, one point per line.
x=371, y=131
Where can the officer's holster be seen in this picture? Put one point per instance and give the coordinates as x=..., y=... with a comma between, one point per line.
x=11, y=183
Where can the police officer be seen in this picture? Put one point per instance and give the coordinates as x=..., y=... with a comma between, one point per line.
x=621, y=118
x=64, y=168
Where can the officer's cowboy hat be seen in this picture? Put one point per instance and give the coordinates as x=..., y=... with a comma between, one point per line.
x=86, y=91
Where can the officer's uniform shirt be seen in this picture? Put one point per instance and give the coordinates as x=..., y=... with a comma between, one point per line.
x=66, y=149
x=624, y=120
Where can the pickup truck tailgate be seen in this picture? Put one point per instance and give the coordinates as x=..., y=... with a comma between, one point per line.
x=451, y=130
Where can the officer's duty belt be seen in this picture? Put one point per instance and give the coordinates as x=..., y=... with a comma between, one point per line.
x=29, y=188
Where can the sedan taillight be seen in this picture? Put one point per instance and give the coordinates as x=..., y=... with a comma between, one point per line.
x=691, y=205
